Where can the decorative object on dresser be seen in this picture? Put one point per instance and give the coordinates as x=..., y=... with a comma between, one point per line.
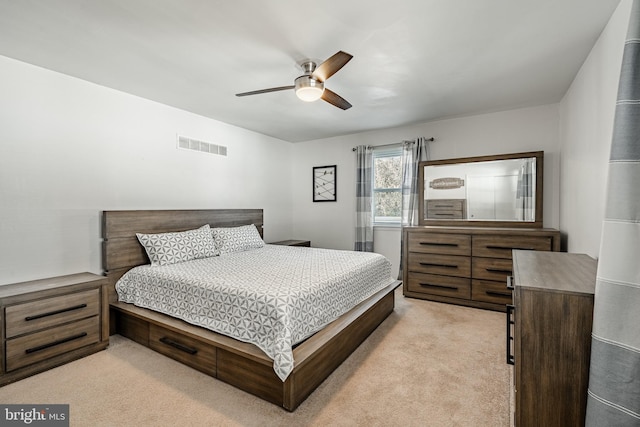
x=549, y=337
x=467, y=265
x=238, y=363
x=305, y=243
x=50, y=322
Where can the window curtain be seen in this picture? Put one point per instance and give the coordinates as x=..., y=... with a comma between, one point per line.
x=614, y=381
x=413, y=152
x=364, y=199
x=525, y=202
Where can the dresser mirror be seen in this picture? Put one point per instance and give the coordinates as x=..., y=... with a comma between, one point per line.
x=488, y=191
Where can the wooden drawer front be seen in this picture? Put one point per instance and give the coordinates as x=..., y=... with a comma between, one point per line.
x=448, y=265
x=448, y=286
x=443, y=214
x=437, y=243
x=32, y=348
x=186, y=350
x=489, y=291
x=48, y=312
x=445, y=204
x=501, y=246
x=491, y=269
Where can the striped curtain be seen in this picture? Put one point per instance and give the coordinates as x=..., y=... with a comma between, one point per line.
x=614, y=382
x=364, y=199
x=413, y=152
x=525, y=202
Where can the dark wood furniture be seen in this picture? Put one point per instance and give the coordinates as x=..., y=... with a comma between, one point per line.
x=49, y=322
x=467, y=265
x=550, y=329
x=240, y=364
x=305, y=243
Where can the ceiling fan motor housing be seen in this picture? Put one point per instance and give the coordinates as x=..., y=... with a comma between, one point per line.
x=308, y=89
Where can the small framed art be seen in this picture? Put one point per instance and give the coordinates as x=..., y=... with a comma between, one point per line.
x=324, y=183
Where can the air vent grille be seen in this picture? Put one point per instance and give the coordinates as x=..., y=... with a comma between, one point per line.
x=205, y=147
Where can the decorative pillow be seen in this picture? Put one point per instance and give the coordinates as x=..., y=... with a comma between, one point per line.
x=237, y=239
x=171, y=248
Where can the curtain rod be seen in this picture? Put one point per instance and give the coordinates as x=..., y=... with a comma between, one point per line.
x=397, y=143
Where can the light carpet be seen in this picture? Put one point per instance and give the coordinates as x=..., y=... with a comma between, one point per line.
x=427, y=364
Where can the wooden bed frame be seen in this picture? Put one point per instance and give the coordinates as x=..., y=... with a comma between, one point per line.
x=240, y=364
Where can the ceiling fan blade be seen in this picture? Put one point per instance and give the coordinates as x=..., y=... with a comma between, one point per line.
x=335, y=99
x=257, y=92
x=331, y=66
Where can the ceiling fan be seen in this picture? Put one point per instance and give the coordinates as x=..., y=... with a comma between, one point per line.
x=310, y=86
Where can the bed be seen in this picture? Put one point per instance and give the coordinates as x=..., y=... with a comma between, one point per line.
x=236, y=362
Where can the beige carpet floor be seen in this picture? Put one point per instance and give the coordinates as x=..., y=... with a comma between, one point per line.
x=428, y=364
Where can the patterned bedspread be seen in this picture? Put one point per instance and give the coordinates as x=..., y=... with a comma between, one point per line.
x=273, y=297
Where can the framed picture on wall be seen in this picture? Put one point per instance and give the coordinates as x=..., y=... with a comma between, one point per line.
x=324, y=184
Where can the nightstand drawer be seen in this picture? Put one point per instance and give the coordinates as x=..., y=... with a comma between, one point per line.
x=32, y=348
x=44, y=313
x=189, y=351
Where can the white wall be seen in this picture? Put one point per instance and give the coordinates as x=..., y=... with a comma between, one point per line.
x=70, y=149
x=586, y=126
x=332, y=225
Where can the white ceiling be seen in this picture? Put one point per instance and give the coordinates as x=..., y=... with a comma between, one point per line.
x=414, y=60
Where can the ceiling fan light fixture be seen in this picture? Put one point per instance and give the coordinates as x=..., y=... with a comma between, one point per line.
x=308, y=89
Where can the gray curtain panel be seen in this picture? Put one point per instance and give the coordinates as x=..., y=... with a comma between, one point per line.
x=614, y=382
x=413, y=152
x=364, y=199
x=525, y=202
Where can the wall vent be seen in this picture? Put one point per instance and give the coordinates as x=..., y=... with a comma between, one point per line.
x=205, y=147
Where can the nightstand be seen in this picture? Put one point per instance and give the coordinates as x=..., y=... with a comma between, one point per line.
x=50, y=322
x=306, y=243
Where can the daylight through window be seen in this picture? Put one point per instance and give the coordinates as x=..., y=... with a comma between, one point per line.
x=387, y=186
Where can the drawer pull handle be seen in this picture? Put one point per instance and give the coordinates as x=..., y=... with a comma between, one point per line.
x=509, y=248
x=179, y=346
x=510, y=321
x=498, y=294
x=53, y=344
x=53, y=313
x=498, y=270
x=510, y=282
x=441, y=214
x=428, y=264
x=431, y=285
x=438, y=244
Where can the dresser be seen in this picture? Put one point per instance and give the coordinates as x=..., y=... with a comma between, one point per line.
x=45, y=323
x=549, y=337
x=467, y=265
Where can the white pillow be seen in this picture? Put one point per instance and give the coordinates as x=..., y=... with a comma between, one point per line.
x=171, y=248
x=237, y=239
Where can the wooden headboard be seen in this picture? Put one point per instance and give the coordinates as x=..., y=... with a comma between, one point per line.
x=122, y=251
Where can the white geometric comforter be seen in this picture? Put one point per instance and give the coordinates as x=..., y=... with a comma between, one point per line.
x=273, y=297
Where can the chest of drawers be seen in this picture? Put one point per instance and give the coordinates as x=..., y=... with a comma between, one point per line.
x=465, y=265
x=49, y=322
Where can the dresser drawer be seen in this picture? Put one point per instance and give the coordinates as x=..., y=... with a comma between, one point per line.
x=501, y=246
x=437, y=243
x=490, y=291
x=491, y=269
x=187, y=350
x=434, y=284
x=44, y=313
x=448, y=265
x=32, y=348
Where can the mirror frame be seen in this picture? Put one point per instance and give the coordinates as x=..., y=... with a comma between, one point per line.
x=538, y=223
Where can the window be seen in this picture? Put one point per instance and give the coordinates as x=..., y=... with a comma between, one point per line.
x=387, y=186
